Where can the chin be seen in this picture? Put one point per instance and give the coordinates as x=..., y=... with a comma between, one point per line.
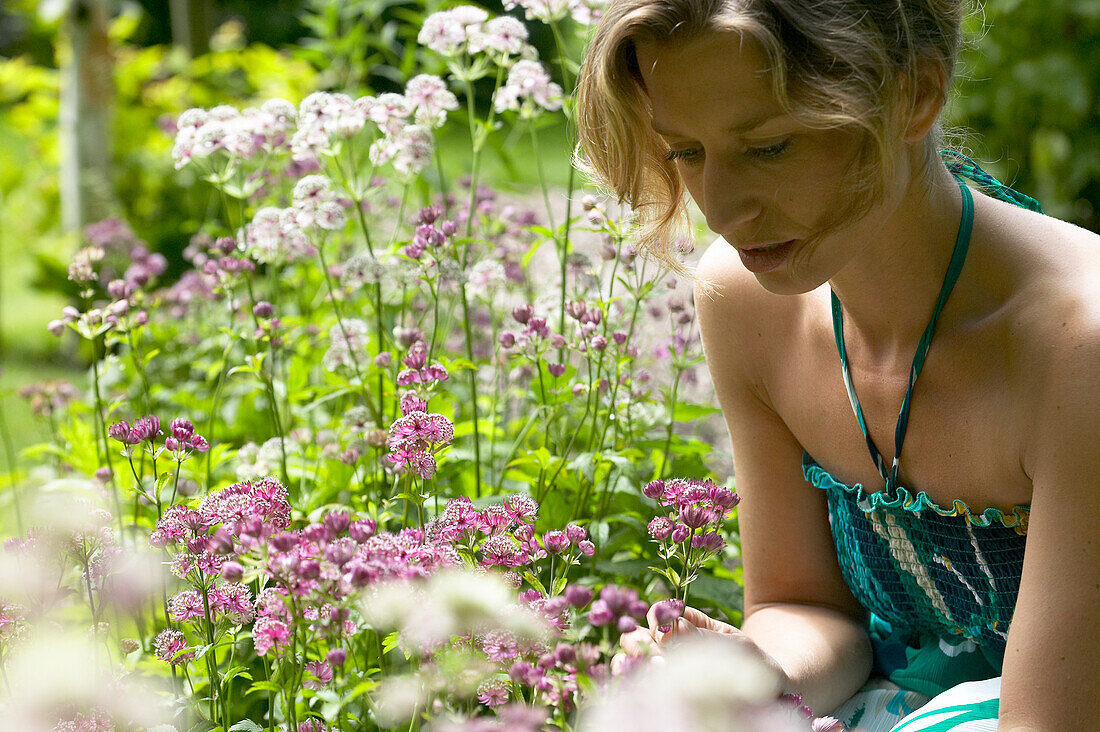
x=780, y=282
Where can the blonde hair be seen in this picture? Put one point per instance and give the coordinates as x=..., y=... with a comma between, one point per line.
x=834, y=63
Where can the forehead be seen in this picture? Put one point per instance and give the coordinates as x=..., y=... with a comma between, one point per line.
x=718, y=78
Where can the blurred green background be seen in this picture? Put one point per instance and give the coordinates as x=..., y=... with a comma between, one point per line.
x=1027, y=103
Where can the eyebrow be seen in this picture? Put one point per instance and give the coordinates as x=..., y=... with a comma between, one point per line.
x=744, y=126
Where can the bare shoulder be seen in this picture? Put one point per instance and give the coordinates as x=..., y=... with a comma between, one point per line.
x=1058, y=305
x=1057, y=315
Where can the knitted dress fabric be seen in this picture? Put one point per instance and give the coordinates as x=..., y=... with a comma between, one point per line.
x=940, y=583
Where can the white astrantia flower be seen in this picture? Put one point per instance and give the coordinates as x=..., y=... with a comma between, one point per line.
x=528, y=90
x=390, y=112
x=224, y=129
x=505, y=35
x=415, y=146
x=360, y=269
x=430, y=100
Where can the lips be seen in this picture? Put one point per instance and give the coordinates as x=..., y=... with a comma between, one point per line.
x=761, y=258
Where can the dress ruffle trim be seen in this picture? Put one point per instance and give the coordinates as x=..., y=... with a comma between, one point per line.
x=819, y=477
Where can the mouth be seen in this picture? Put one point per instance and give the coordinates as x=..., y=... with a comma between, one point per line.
x=761, y=258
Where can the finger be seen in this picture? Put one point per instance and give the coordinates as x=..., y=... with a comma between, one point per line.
x=696, y=617
x=683, y=628
x=638, y=642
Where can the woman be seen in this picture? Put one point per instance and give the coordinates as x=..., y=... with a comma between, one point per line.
x=807, y=133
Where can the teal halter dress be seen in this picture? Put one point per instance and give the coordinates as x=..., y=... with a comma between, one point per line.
x=940, y=582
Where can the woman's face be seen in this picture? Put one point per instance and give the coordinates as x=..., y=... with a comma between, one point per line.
x=765, y=182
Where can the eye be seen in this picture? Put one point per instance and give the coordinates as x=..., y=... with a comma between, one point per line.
x=690, y=155
x=769, y=152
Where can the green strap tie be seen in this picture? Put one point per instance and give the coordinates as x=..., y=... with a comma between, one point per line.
x=961, y=167
x=958, y=257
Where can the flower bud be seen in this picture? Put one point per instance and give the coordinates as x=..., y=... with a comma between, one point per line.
x=578, y=596
x=232, y=571
x=337, y=656
x=555, y=541
x=338, y=521
x=263, y=309
x=507, y=339
x=627, y=624
x=523, y=313
x=667, y=612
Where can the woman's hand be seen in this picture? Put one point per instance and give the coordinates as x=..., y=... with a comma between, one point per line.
x=692, y=625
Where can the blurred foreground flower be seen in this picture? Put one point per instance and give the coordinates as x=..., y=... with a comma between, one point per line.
x=63, y=681
x=698, y=686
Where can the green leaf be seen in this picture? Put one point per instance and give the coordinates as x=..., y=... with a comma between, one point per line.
x=559, y=585
x=361, y=688
x=682, y=412
x=246, y=725
x=534, y=582
x=263, y=686
x=390, y=642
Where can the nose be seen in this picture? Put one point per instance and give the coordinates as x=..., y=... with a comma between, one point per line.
x=732, y=200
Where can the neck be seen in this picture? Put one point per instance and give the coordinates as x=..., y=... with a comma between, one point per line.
x=889, y=289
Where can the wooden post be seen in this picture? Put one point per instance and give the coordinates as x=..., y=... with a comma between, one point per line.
x=86, y=92
x=190, y=25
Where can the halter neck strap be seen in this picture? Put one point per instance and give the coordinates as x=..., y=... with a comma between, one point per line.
x=958, y=258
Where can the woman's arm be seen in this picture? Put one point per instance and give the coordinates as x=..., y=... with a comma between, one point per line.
x=1052, y=663
x=798, y=609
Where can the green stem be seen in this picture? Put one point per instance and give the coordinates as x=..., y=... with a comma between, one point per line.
x=347, y=339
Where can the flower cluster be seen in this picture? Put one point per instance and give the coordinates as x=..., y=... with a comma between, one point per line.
x=48, y=398
x=184, y=439
x=528, y=91
x=417, y=369
x=468, y=30
x=145, y=429
x=416, y=436
x=275, y=237
x=201, y=134
x=347, y=343
x=690, y=528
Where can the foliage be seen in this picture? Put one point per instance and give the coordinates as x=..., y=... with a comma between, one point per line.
x=1029, y=92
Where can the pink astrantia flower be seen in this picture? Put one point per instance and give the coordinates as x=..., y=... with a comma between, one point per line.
x=500, y=646
x=186, y=605
x=170, y=642
x=320, y=675
x=233, y=600
x=493, y=694
x=268, y=633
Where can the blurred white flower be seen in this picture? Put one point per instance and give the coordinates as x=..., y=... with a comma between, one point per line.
x=56, y=671
x=700, y=686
